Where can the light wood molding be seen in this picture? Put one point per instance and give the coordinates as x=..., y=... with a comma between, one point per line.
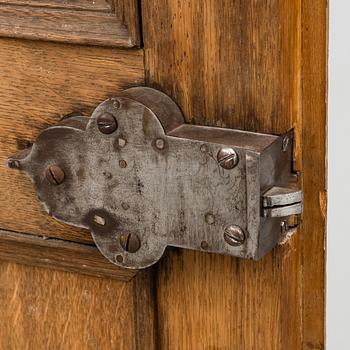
x=101, y=22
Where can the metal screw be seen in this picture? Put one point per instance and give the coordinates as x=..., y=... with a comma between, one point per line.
x=285, y=143
x=123, y=163
x=54, y=174
x=130, y=242
x=227, y=158
x=160, y=143
x=106, y=123
x=234, y=235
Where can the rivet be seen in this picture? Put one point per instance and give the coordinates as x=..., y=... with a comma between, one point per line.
x=209, y=218
x=54, y=174
x=227, y=158
x=106, y=123
x=204, y=245
x=285, y=143
x=160, y=143
x=119, y=258
x=130, y=242
x=123, y=163
x=234, y=235
x=99, y=220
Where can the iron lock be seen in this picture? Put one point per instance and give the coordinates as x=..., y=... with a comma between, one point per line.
x=140, y=179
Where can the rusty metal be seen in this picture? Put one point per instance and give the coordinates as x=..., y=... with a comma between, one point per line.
x=106, y=123
x=234, y=235
x=155, y=181
x=227, y=157
x=130, y=242
x=54, y=174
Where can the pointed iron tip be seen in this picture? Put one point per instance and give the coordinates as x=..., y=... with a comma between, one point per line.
x=14, y=161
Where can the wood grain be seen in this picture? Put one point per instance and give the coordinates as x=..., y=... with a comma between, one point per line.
x=43, y=309
x=59, y=255
x=314, y=153
x=92, y=5
x=238, y=64
x=80, y=22
x=41, y=82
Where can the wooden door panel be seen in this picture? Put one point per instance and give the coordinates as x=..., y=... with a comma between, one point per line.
x=108, y=23
x=242, y=64
x=44, y=309
x=253, y=65
x=93, y=5
x=216, y=300
x=40, y=83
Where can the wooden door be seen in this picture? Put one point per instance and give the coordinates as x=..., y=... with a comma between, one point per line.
x=252, y=65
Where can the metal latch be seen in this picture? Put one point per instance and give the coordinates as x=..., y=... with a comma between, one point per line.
x=140, y=179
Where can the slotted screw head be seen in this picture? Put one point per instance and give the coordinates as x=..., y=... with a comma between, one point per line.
x=54, y=174
x=130, y=242
x=227, y=157
x=234, y=235
x=106, y=123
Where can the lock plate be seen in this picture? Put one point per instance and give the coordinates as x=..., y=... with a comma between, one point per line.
x=153, y=181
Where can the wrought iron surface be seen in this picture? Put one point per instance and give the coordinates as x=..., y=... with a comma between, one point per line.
x=140, y=180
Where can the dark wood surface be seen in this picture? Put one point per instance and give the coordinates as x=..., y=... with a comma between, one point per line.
x=104, y=23
x=242, y=65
